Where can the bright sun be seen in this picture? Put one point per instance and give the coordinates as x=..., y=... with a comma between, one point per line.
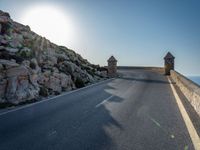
x=50, y=22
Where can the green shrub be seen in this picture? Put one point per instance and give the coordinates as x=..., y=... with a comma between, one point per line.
x=25, y=54
x=79, y=82
x=91, y=72
x=43, y=91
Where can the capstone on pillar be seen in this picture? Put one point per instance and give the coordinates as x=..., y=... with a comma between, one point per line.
x=112, y=67
x=169, y=63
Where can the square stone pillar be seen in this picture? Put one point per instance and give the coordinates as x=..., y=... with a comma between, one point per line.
x=169, y=63
x=112, y=67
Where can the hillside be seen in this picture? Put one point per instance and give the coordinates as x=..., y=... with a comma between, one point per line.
x=32, y=67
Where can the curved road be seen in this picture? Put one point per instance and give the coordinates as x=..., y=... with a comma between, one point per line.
x=134, y=112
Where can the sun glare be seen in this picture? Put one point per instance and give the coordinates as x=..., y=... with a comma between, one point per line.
x=50, y=22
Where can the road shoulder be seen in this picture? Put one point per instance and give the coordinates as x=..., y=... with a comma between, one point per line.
x=188, y=122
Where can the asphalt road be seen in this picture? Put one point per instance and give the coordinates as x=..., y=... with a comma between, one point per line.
x=135, y=112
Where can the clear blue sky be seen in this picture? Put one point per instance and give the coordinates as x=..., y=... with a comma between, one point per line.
x=136, y=32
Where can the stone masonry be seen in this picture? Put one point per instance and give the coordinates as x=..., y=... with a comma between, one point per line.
x=112, y=67
x=169, y=63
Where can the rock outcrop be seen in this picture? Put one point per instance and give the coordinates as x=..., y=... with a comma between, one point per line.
x=31, y=66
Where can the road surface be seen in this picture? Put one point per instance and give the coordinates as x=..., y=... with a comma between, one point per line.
x=134, y=112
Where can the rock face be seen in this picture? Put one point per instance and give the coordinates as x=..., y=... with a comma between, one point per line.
x=31, y=66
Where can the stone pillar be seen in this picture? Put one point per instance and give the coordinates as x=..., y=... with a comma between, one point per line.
x=112, y=67
x=169, y=63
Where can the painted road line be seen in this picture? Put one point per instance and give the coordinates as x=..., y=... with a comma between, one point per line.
x=190, y=127
x=48, y=99
x=104, y=101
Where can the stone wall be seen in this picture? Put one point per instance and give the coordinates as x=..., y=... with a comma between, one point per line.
x=188, y=88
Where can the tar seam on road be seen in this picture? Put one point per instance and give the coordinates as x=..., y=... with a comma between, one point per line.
x=42, y=101
x=190, y=127
x=104, y=101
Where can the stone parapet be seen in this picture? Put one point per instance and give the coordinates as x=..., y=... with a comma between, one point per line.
x=190, y=89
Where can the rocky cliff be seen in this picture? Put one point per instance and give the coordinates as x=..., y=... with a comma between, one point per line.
x=31, y=66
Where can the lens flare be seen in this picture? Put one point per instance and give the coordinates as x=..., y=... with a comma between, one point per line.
x=50, y=22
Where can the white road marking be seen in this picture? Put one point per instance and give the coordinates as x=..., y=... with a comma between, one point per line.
x=64, y=94
x=52, y=133
x=190, y=127
x=104, y=101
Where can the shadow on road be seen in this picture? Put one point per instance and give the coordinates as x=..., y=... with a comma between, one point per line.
x=89, y=131
x=69, y=122
x=145, y=80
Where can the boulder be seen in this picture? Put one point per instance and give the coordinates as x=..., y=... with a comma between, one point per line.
x=12, y=50
x=3, y=84
x=90, y=78
x=8, y=64
x=76, y=72
x=66, y=81
x=4, y=19
x=69, y=67
x=27, y=35
x=4, y=14
x=3, y=41
x=17, y=71
x=34, y=66
x=54, y=69
x=5, y=22
x=52, y=60
x=22, y=91
x=11, y=90
x=20, y=86
x=47, y=62
x=2, y=73
x=15, y=43
x=18, y=37
x=54, y=84
x=5, y=25
x=1, y=67
x=102, y=73
x=25, y=49
x=26, y=63
x=25, y=53
x=44, y=77
x=10, y=56
x=61, y=58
